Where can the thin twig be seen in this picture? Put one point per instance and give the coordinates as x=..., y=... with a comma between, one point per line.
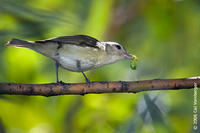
x=54, y=89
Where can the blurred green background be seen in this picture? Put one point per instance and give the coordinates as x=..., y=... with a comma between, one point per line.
x=163, y=34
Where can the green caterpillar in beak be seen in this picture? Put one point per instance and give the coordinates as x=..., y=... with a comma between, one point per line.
x=133, y=63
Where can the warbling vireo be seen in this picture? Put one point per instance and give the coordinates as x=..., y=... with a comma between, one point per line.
x=77, y=53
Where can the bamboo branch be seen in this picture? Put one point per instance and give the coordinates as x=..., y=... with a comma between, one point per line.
x=53, y=89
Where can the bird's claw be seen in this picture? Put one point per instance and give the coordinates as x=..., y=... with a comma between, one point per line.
x=60, y=82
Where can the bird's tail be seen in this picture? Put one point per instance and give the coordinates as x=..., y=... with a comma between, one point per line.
x=19, y=43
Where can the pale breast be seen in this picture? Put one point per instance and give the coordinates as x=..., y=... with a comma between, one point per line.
x=75, y=58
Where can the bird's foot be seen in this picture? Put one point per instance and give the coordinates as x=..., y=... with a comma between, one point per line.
x=60, y=82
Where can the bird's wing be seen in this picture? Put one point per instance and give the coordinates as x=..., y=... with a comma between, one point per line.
x=79, y=40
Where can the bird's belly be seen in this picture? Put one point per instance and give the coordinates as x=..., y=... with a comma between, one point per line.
x=76, y=64
x=78, y=59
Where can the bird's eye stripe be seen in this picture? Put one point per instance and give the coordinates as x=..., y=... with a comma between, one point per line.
x=118, y=47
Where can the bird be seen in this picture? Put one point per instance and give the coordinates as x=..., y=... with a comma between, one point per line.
x=77, y=53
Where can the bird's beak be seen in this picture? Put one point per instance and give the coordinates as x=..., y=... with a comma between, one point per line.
x=128, y=56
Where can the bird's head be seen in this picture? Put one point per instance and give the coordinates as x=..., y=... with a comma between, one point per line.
x=116, y=50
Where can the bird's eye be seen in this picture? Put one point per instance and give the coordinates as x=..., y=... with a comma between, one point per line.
x=118, y=47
